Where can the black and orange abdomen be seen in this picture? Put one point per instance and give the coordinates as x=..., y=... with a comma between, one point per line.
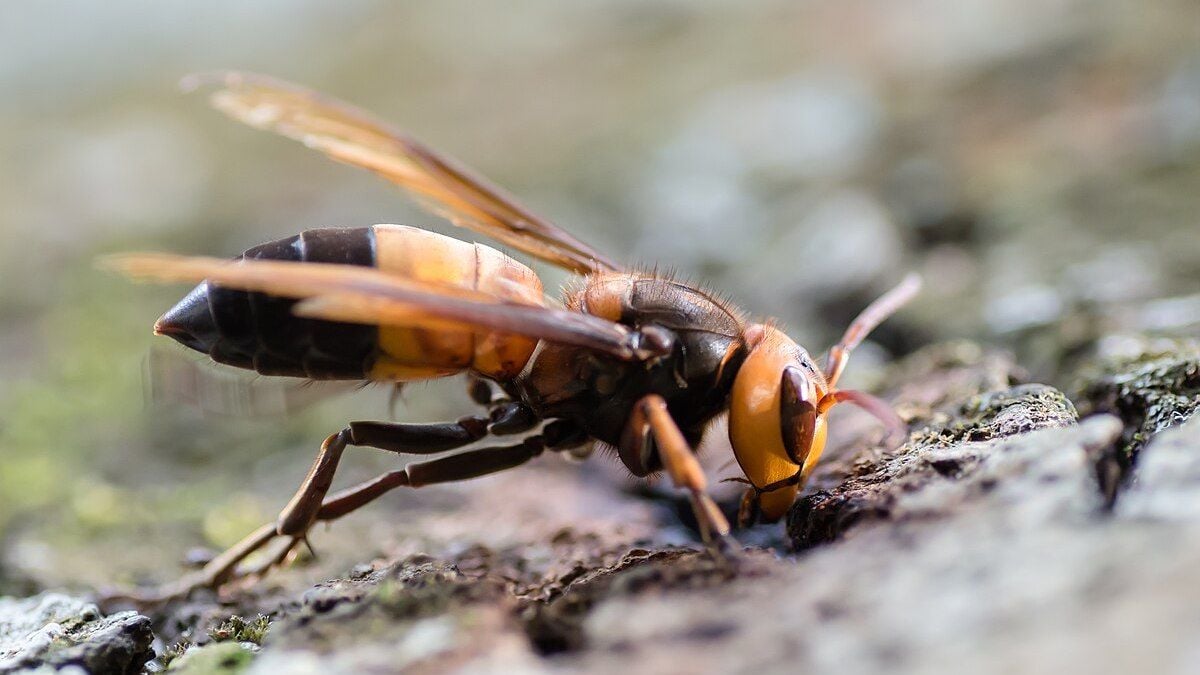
x=260, y=332
x=407, y=353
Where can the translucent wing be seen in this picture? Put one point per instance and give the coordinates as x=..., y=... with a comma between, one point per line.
x=439, y=182
x=366, y=295
x=173, y=376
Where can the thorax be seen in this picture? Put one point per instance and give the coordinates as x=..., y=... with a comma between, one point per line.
x=599, y=392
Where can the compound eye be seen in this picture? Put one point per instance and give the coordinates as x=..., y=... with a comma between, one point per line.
x=797, y=413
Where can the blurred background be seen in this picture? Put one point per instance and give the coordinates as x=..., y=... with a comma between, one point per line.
x=1037, y=162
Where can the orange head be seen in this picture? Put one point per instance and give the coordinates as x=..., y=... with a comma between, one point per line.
x=774, y=425
x=778, y=406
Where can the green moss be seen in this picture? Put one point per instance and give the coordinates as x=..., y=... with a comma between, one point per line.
x=432, y=591
x=172, y=653
x=1150, y=391
x=217, y=658
x=238, y=629
x=234, y=644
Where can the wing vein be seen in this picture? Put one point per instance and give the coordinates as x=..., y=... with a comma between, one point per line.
x=440, y=183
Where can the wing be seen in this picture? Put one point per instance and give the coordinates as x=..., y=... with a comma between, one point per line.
x=439, y=183
x=366, y=295
x=173, y=376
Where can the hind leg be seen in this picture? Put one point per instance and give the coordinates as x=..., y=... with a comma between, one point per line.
x=505, y=417
x=465, y=465
x=418, y=439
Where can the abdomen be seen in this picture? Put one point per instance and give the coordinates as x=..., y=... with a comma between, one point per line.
x=260, y=332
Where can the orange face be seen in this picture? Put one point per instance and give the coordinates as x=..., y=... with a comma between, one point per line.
x=756, y=427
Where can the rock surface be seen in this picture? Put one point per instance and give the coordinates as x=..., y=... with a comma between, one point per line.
x=1150, y=384
x=990, y=541
x=59, y=631
x=942, y=468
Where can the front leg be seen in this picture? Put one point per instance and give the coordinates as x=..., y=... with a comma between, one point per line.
x=651, y=418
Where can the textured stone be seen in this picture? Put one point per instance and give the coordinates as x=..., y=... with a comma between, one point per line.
x=58, y=631
x=990, y=542
x=964, y=397
x=1150, y=384
x=1167, y=485
x=1012, y=567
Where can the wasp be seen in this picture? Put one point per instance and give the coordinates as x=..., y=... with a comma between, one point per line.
x=629, y=360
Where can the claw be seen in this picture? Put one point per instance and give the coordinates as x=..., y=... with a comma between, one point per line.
x=225, y=571
x=726, y=552
x=308, y=545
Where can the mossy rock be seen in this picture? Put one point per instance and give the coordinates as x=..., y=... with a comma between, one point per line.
x=943, y=452
x=1151, y=389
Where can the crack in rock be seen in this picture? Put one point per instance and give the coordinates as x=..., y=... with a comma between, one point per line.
x=1150, y=385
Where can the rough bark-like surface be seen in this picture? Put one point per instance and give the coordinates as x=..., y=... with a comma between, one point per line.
x=1150, y=384
x=990, y=541
x=937, y=471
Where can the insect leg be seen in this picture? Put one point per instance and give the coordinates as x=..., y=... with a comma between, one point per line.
x=462, y=466
x=883, y=307
x=451, y=468
x=506, y=415
x=298, y=515
x=681, y=465
x=456, y=467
